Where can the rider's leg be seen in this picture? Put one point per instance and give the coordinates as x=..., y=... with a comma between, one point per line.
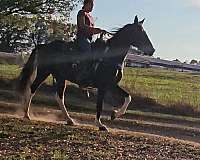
x=83, y=77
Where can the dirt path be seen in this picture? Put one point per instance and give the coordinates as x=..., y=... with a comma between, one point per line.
x=128, y=138
x=22, y=139
x=187, y=131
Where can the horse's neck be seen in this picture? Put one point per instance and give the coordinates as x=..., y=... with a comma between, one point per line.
x=118, y=54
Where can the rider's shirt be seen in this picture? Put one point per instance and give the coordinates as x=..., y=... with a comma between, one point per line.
x=89, y=22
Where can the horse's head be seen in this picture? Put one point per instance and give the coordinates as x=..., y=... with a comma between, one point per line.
x=140, y=38
x=135, y=35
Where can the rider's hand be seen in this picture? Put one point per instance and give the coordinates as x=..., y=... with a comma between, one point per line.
x=104, y=31
x=99, y=30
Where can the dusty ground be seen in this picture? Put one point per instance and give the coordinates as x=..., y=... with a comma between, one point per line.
x=137, y=138
x=29, y=140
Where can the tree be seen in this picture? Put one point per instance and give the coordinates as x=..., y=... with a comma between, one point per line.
x=14, y=32
x=24, y=7
x=19, y=21
x=60, y=30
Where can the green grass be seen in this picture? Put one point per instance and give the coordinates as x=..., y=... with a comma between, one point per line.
x=10, y=72
x=164, y=86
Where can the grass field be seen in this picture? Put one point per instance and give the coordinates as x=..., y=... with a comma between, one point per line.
x=165, y=87
x=10, y=72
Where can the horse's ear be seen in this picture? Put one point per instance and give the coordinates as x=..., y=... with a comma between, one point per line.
x=136, y=20
x=141, y=22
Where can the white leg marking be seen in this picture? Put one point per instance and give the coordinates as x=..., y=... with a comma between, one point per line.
x=98, y=123
x=123, y=109
x=61, y=104
x=27, y=103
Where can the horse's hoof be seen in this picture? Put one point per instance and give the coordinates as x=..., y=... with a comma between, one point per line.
x=113, y=115
x=103, y=128
x=27, y=117
x=71, y=123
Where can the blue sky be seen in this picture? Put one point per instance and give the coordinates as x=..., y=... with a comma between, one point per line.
x=173, y=25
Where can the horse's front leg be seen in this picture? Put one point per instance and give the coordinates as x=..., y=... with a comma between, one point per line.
x=100, y=99
x=122, y=109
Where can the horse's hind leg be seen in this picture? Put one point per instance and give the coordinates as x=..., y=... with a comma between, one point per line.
x=100, y=99
x=60, y=95
x=42, y=74
x=122, y=109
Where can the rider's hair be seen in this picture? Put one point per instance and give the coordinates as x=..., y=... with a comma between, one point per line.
x=87, y=1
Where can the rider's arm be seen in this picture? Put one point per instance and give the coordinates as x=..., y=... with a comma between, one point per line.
x=83, y=26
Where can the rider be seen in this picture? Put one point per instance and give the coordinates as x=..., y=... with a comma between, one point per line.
x=85, y=32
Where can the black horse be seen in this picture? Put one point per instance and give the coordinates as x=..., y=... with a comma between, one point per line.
x=58, y=58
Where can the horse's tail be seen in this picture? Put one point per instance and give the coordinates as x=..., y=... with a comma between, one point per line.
x=28, y=73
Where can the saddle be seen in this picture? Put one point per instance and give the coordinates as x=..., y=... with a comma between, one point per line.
x=92, y=59
x=86, y=64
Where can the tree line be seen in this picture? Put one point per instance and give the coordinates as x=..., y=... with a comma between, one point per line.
x=24, y=24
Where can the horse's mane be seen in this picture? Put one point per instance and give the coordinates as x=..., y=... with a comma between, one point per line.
x=119, y=29
x=118, y=32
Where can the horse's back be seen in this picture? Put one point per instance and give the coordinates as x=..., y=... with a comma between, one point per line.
x=62, y=46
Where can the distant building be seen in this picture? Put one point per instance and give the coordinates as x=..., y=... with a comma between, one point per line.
x=135, y=60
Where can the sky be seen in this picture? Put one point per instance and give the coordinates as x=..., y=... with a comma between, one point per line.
x=172, y=25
